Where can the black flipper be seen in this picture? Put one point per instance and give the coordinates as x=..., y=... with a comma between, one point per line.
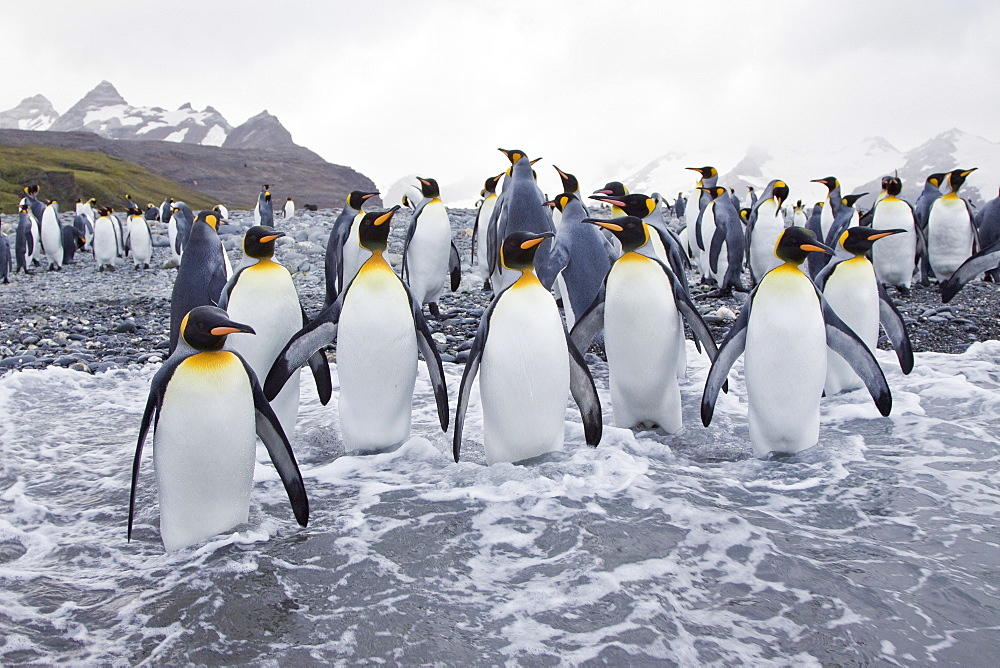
x=715, y=249
x=307, y=341
x=150, y=416
x=320, y=367
x=427, y=348
x=581, y=385
x=455, y=267
x=843, y=341
x=895, y=329
x=492, y=244
x=729, y=351
x=590, y=324
x=983, y=261
x=469, y=376
x=279, y=449
x=548, y=269
x=410, y=229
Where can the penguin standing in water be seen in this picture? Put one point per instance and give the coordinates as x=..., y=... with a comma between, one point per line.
x=263, y=296
x=429, y=254
x=951, y=229
x=107, y=244
x=784, y=329
x=480, y=251
x=343, y=252
x=895, y=258
x=289, y=208
x=51, y=236
x=640, y=313
x=202, y=274
x=379, y=326
x=24, y=240
x=580, y=259
x=207, y=410
x=764, y=229
x=529, y=366
x=851, y=289
x=140, y=238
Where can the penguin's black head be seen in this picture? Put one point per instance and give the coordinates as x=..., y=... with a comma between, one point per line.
x=357, y=198
x=216, y=209
x=937, y=179
x=830, y=182
x=560, y=201
x=629, y=230
x=518, y=249
x=780, y=191
x=715, y=191
x=859, y=240
x=798, y=205
x=569, y=182
x=24, y=208
x=795, y=243
x=206, y=327
x=258, y=242
x=209, y=217
x=513, y=154
x=958, y=176
x=745, y=215
x=32, y=190
x=288, y=199
x=892, y=185
x=613, y=188
x=633, y=204
x=429, y=187
x=267, y=196
x=850, y=200
x=490, y=186
x=706, y=172
x=373, y=230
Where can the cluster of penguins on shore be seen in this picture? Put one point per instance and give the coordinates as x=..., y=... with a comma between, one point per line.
x=42, y=241
x=808, y=326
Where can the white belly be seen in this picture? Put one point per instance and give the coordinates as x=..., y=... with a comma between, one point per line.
x=428, y=253
x=949, y=236
x=204, y=449
x=172, y=236
x=826, y=218
x=784, y=363
x=853, y=294
x=766, y=230
x=354, y=254
x=142, y=246
x=641, y=323
x=265, y=298
x=482, y=251
x=894, y=256
x=105, y=242
x=376, y=363
x=707, y=232
x=36, y=252
x=524, y=377
x=52, y=238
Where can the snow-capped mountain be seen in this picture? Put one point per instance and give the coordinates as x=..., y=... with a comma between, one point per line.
x=106, y=113
x=859, y=167
x=33, y=113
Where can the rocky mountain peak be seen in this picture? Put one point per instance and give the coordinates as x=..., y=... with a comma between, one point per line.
x=33, y=113
x=260, y=131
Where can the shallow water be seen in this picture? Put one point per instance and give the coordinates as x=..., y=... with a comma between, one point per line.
x=878, y=546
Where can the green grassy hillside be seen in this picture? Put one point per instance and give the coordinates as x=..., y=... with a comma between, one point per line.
x=66, y=175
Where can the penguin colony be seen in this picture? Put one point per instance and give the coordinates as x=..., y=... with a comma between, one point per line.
x=817, y=297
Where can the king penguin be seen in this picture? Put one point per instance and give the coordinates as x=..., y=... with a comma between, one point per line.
x=24, y=240
x=207, y=409
x=106, y=242
x=640, y=313
x=951, y=229
x=429, y=254
x=289, y=208
x=140, y=238
x=479, y=238
x=726, y=248
x=202, y=274
x=6, y=259
x=830, y=205
x=379, y=326
x=263, y=210
x=51, y=236
x=921, y=209
x=849, y=285
x=895, y=257
x=784, y=328
x=263, y=296
x=529, y=367
x=764, y=229
x=343, y=252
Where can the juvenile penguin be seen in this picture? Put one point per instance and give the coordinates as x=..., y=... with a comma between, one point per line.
x=764, y=229
x=208, y=409
x=263, y=296
x=379, y=327
x=202, y=274
x=141, y=239
x=850, y=287
x=106, y=242
x=429, y=254
x=784, y=328
x=344, y=255
x=51, y=236
x=479, y=246
x=895, y=256
x=640, y=313
x=289, y=208
x=529, y=367
x=951, y=230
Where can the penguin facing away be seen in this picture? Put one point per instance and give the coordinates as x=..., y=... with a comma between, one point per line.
x=379, y=326
x=207, y=408
x=202, y=274
x=852, y=290
x=263, y=296
x=640, y=313
x=6, y=259
x=429, y=253
x=529, y=366
x=783, y=329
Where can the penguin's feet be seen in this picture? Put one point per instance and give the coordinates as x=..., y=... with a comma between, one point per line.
x=487, y=285
x=433, y=308
x=903, y=290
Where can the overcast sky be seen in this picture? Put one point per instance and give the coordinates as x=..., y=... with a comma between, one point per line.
x=433, y=88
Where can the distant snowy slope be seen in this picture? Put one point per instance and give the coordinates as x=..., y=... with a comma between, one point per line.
x=33, y=113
